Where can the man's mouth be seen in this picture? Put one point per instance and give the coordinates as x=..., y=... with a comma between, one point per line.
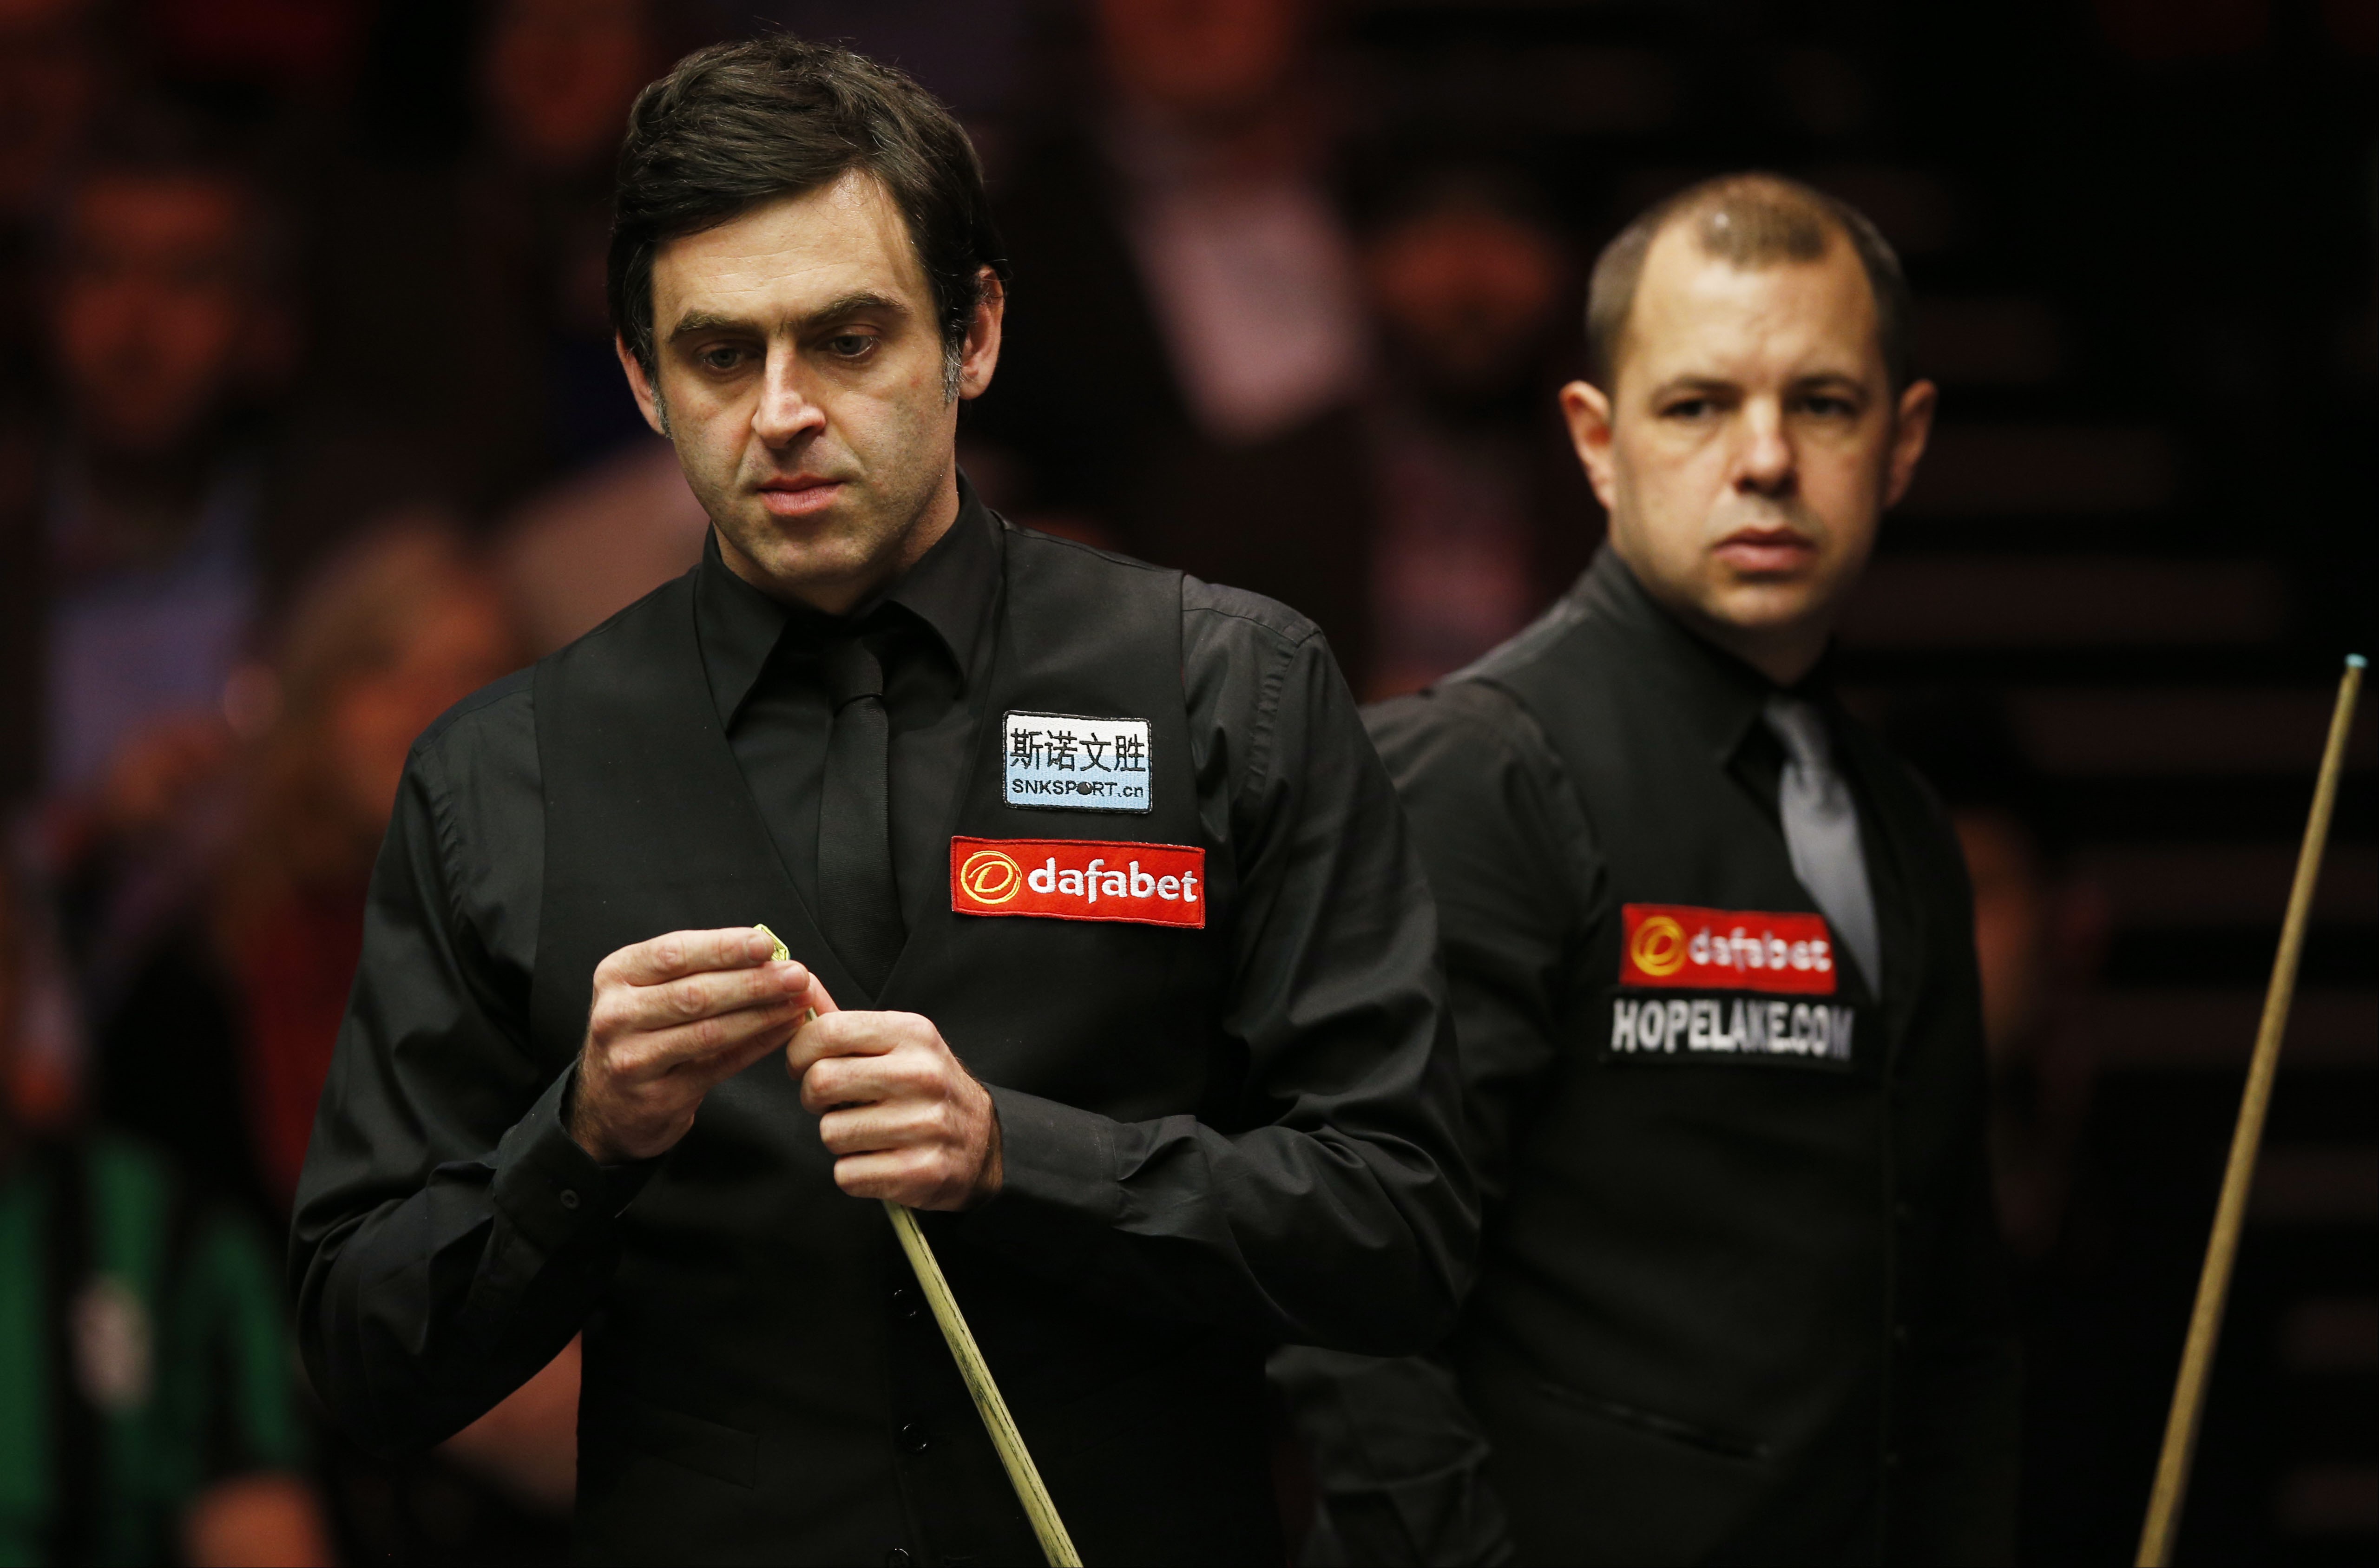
x=1766, y=551
x=799, y=495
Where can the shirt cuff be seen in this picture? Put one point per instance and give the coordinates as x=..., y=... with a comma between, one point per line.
x=1054, y=1156
x=553, y=1191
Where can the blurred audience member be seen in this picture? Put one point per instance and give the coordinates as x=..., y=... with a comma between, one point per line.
x=1214, y=147
x=173, y=500
x=2040, y=933
x=147, y=1411
x=598, y=541
x=1480, y=512
x=237, y=1010
x=223, y=1039
x=162, y=322
x=475, y=294
x=1185, y=334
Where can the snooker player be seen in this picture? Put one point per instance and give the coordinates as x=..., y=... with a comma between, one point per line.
x=1134, y=964
x=1711, y=955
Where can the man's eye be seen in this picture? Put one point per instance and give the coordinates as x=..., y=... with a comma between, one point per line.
x=850, y=345
x=1689, y=408
x=721, y=358
x=1828, y=407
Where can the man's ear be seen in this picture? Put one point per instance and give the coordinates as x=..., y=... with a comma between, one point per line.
x=1908, y=434
x=648, y=398
x=981, y=355
x=1588, y=413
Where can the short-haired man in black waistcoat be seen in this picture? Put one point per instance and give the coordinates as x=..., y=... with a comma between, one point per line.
x=1125, y=965
x=1712, y=965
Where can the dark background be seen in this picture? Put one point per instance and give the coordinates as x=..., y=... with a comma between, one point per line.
x=2141, y=236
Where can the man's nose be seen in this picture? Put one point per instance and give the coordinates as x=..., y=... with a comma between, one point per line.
x=1765, y=463
x=785, y=413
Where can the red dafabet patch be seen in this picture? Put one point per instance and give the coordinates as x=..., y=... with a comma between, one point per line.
x=1677, y=947
x=1079, y=879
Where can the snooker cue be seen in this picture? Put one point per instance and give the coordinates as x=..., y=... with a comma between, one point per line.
x=2230, y=1213
x=973, y=1370
x=1056, y=1544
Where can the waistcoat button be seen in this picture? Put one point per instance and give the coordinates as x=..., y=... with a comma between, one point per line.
x=912, y=1439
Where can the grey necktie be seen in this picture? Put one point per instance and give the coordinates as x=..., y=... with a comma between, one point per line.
x=1821, y=831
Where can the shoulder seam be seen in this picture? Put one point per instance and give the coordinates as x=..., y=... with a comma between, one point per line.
x=1111, y=557
x=1293, y=638
x=516, y=683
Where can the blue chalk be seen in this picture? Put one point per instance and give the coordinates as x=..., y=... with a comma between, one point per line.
x=2354, y=661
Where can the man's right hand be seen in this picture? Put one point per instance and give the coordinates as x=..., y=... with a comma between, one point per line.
x=672, y=1018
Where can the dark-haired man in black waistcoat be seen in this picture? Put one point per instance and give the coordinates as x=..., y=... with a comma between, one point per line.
x=1125, y=966
x=1712, y=955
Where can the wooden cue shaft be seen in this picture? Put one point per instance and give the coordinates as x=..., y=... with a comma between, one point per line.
x=1056, y=1544
x=2229, y=1215
x=973, y=1370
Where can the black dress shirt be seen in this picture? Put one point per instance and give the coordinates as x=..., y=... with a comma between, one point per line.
x=449, y=1229
x=763, y=657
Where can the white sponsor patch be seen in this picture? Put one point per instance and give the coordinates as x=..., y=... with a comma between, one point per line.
x=1064, y=761
x=1716, y=1028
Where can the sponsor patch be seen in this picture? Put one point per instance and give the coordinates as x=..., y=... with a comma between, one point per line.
x=1079, y=879
x=1675, y=947
x=1064, y=761
x=1721, y=1028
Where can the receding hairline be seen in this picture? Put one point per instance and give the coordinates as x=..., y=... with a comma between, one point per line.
x=1692, y=230
x=1752, y=221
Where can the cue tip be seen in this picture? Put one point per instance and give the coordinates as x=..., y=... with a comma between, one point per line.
x=2355, y=661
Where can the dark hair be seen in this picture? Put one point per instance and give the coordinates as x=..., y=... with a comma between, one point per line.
x=1752, y=220
x=739, y=124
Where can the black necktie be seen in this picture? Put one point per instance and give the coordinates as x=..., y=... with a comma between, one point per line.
x=861, y=906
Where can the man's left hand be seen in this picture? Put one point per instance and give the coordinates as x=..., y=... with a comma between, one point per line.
x=900, y=1114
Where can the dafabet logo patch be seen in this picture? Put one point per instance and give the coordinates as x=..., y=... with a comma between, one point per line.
x=989, y=879
x=1675, y=947
x=1079, y=879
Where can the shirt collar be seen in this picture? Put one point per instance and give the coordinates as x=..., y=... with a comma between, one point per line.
x=1714, y=691
x=949, y=592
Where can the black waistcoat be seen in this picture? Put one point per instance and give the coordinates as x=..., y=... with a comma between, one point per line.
x=762, y=1382
x=1682, y=1340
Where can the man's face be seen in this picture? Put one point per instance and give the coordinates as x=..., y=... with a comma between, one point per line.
x=802, y=369
x=155, y=306
x=1466, y=293
x=557, y=77
x=1750, y=442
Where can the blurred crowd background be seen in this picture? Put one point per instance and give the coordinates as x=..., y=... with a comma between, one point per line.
x=309, y=424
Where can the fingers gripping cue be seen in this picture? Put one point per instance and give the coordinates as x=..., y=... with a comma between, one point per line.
x=1056, y=1544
